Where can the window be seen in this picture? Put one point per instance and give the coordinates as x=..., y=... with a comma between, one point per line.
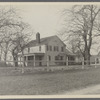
x=47, y=48
x=54, y=48
x=25, y=58
x=62, y=49
x=38, y=57
x=61, y=57
x=49, y=58
x=70, y=58
x=50, y=48
x=39, y=48
x=28, y=49
x=57, y=48
x=56, y=58
x=30, y=57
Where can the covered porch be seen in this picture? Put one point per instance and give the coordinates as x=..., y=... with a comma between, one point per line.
x=34, y=59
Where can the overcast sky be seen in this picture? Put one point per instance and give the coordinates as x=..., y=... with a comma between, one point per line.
x=43, y=18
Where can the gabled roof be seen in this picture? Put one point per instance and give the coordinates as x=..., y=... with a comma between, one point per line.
x=42, y=41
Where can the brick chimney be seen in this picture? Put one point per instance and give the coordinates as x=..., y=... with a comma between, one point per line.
x=38, y=37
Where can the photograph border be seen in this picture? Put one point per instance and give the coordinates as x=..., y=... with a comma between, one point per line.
x=48, y=97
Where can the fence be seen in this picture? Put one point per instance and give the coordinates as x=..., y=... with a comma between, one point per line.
x=49, y=65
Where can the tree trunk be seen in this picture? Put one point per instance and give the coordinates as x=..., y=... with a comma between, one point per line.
x=5, y=58
x=87, y=57
x=15, y=58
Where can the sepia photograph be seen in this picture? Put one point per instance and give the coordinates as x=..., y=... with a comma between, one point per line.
x=49, y=49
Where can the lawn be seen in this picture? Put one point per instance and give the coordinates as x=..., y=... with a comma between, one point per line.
x=47, y=83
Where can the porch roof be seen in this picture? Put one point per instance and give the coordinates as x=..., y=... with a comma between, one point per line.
x=69, y=53
x=62, y=54
x=30, y=54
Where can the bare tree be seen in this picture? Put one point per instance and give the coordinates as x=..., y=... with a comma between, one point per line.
x=13, y=32
x=21, y=37
x=84, y=25
x=8, y=20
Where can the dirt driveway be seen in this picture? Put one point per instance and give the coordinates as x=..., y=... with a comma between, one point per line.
x=91, y=90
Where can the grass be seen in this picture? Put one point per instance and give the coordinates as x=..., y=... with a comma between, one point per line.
x=47, y=83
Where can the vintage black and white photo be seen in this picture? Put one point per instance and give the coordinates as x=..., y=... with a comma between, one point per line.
x=49, y=48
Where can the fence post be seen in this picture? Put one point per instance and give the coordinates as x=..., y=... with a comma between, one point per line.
x=26, y=61
x=34, y=60
x=23, y=65
x=83, y=63
x=95, y=62
x=20, y=61
x=66, y=61
x=47, y=63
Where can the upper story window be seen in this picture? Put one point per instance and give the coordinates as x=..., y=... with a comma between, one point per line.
x=47, y=47
x=56, y=48
x=50, y=48
x=39, y=48
x=28, y=49
x=62, y=49
x=56, y=58
x=49, y=58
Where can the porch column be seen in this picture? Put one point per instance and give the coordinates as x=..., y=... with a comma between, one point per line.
x=95, y=62
x=23, y=64
x=47, y=61
x=67, y=61
x=34, y=60
x=20, y=60
x=26, y=60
